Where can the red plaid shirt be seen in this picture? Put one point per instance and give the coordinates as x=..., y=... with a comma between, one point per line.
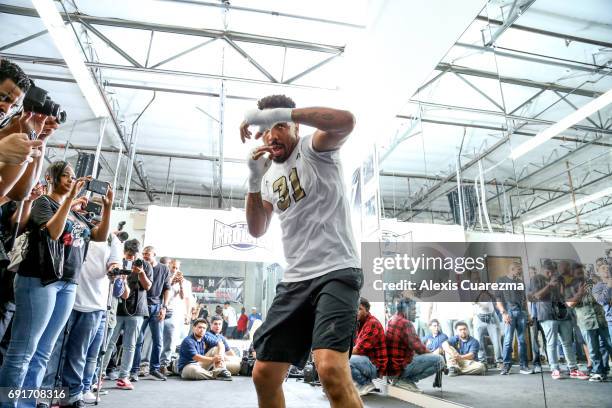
x=402, y=343
x=371, y=342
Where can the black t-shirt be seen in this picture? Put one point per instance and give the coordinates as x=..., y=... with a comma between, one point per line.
x=160, y=282
x=136, y=303
x=75, y=237
x=7, y=295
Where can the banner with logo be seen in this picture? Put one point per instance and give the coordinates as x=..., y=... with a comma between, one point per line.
x=210, y=234
x=216, y=289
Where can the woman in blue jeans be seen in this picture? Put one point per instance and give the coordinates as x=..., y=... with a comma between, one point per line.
x=43, y=296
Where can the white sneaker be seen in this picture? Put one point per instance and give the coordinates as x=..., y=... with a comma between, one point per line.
x=366, y=389
x=408, y=386
x=89, y=398
x=596, y=378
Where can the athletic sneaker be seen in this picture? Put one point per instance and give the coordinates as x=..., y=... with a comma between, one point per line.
x=556, y=374
x=366, y=389
x=89, y=397
x=525, y=370
x=158, y=375
x=578, y=375
x=133, y=377
x=505, y=370
x=596, y=378
x=453, y=372
x=124, y=384
x=224, y=375
x=537, y=369
x=407, y=385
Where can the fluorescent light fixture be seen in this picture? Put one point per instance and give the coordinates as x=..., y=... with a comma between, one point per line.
x=569, y=206
x=65, y=43
x=570, y=120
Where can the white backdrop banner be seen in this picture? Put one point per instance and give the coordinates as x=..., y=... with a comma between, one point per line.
x=209, y=234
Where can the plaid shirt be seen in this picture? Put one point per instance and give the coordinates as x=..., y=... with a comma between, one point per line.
x=371, y=342
x=402, y=343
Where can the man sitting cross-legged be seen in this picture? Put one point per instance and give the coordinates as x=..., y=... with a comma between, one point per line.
x=194, y=363
x=232, y=361
x=461, y=351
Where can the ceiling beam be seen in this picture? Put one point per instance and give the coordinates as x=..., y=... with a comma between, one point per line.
x=58, y=62
x=563, y=36
x=443, y=66
x=197, y=32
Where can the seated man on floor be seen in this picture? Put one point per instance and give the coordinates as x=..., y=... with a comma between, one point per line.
x=195, y=363
x=434, y=341
x=232, y=361
x=408, y=359
x=461, y=351
x=369, y=358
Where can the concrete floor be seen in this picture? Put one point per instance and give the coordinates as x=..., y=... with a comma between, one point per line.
x=239, y=393
x=492, y=390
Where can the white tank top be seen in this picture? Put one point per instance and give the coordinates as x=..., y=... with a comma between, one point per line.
x=307, y=192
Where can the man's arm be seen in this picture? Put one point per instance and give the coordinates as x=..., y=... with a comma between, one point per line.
x=333, y=126
x=258, y=214
x=574, y=300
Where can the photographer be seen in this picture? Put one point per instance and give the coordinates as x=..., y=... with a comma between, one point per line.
x=16, y=147
x=157, y=300
x=591, y=320
x=45, y=285
x=602, y=292
x=548, y=291
x=131, y=311
x=87, y=314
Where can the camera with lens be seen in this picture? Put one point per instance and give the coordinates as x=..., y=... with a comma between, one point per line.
x=37, y=100
x=127, y=267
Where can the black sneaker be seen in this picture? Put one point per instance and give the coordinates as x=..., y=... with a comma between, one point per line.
x=224, y=375
x=505, y=370
x=158, y=375
x=134, y=377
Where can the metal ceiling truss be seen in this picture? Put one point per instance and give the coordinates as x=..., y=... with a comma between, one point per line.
x=230, y=37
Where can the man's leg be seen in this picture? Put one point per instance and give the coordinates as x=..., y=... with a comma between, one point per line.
x=268, y=377
x=93, y=353
x=508, y=338
x=493, y=330
x=565, y=333
x=335, y=375
x=550, y=333
x=470, y=367
x=480, y=328
x=422, y=366
x=167, y=349
x=362, y=369
x=135, y=363
x=592, y=340
x=81, y=336
x=521, y=328
x=130, y=335
x=451, y=356
x=157, y=328
x=195, y=372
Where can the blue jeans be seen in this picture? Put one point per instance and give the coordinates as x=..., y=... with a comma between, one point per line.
x=131, y=327
x=169, y=336
x=362, y=369
x=157, y=328
x=422, y=366
x=82, y=327
x=91, y=360
x=593, y=339
x=561, y=329
x=518, y=324
x=40, y=316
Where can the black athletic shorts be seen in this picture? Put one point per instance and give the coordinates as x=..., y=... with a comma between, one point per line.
x=319, y=313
